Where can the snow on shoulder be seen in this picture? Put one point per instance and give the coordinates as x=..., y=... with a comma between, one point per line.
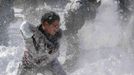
x=27, y=29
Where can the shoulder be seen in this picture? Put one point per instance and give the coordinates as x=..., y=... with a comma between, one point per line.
x=27, y=30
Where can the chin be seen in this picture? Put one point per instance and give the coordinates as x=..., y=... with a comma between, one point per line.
x=52, y=33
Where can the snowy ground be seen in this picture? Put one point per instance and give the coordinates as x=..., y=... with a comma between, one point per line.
x=104, y=46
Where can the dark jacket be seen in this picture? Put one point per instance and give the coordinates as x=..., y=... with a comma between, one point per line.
x=41, y=48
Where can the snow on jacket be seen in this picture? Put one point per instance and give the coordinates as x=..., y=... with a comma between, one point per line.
x=41, y=48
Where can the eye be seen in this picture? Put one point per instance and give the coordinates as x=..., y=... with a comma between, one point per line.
x=55, y=25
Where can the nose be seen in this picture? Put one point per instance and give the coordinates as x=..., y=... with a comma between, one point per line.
x=57, y=27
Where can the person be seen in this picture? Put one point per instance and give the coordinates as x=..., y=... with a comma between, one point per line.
x=126, y=9
x=75, y=19
x=42, y=46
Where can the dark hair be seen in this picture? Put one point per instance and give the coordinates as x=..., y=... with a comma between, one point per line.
x=50, y=17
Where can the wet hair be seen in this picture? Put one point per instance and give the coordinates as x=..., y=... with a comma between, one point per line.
x=50, y=17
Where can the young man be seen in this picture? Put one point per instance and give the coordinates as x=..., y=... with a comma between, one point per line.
x=42, y=43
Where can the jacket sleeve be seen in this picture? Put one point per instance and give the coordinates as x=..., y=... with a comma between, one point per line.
x=27, y=31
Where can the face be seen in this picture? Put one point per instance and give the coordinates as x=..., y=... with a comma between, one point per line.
x=52, y=28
